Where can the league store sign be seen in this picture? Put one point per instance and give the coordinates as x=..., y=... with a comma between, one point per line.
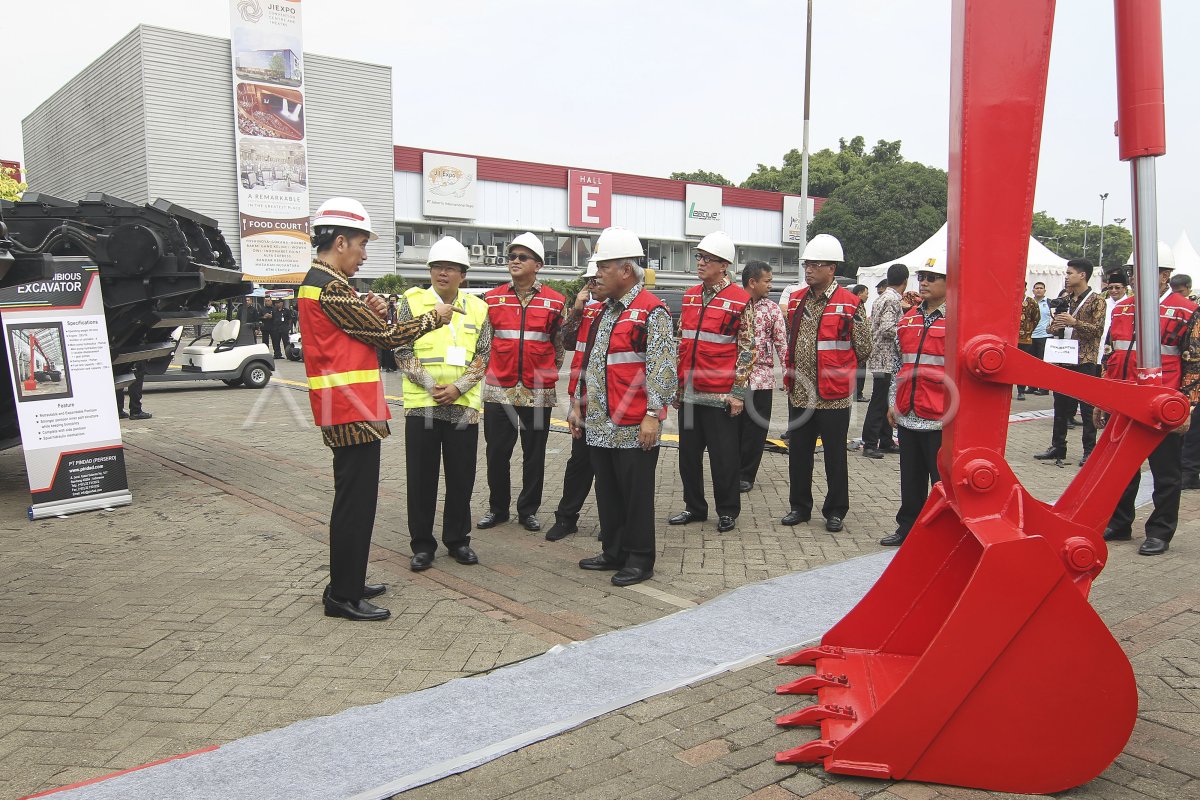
x=56, y=343
x=272, y=143
x=702, y=206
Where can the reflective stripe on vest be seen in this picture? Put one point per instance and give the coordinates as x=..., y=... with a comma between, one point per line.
x=530, y=336
x=343, y=378
x=626, y=358
x=1166, y=349
x=923, y=358
x=705, y=336
x=835, y=345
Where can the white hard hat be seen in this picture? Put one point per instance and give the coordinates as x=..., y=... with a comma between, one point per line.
x=823, y=247
x=450, y=250
x=618, y=243
x=591, y=270
x=344, y=212
x=1166, y=257
x=531, y=242
x=720, y=245
x=935, y=264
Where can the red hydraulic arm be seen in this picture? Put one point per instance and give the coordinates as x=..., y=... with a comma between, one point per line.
x=976, y=660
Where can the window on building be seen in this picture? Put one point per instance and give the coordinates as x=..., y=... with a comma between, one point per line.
x=566, y=247
x=583, y=250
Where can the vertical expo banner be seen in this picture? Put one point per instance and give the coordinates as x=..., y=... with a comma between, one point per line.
x=272, y=150
x=57, y=345
x=793, y=231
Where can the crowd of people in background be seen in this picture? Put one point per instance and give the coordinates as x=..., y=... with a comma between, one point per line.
x=494, y=359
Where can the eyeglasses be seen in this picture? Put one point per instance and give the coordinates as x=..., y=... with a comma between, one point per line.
x=705, y=258
x=818, y=264
x=928, y=277
x=520, y=257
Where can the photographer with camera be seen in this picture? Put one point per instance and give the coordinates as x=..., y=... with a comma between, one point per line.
x=1077, y=317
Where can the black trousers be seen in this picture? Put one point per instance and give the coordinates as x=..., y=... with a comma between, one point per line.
x=753, y=424
x=860, y=383
x=1168, y=485
x=625, y=502
x=278, y=340
x=1191, y=445
x=501, y=424
x=876, y=431
x=711, y=428
x=135, y=394
x=355, y=497
x=429, y=446
x=1065, y=407
x=1028, y=348
x=918, y=472
x=806, y=424
x=577, y=482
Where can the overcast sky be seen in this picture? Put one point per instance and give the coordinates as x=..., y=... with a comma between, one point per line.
x=651, y=87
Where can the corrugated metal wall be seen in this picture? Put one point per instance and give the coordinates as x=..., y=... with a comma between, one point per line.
x=349, y=121
x=97, y=133
x=88, y=136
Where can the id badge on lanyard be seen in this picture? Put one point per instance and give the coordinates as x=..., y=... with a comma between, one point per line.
x=456, y=356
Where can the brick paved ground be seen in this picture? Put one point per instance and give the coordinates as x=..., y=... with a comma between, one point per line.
x=192, y=618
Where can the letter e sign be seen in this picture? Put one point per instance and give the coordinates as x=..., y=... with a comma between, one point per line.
x=589, y=199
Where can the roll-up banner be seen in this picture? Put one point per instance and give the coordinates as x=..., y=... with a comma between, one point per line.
x=56, y=342
x=270, y=137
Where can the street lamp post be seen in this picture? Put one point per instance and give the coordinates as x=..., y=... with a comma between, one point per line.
x=1103, y=197
x=804, y=151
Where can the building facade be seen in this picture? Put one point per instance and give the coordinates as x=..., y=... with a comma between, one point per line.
x=492, y=200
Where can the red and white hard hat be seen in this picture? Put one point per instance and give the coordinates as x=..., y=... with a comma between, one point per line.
x=344, y=212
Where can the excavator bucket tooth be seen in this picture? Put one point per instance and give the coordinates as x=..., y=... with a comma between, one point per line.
x=809, y=655
x=815, y=715
x=809, y=684
x=810, y=753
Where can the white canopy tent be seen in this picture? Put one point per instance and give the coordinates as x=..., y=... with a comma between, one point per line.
x=1041, y=265
x=1187, y=260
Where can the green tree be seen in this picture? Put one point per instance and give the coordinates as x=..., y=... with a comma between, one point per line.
x=10, y=187
x=1080, y=238
x=884, y=209
x=827, y=170
x=389, y=284
x=702, y=176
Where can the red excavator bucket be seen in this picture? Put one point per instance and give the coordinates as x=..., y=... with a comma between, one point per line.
x=976, y=660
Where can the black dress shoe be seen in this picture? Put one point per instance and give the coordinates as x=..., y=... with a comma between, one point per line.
x=833, y=524
x=463, y=554
x=1114, y=535
x=122, y=414
x=1020, y=395
x=1042, y=392
x=1051, y=454
x=631, y=575
x=1150, y=547
x=796, y=517
x=531, y=523
x=1083, y=460
x=560, y=530
x=726, y=524
x=745, y=486
x=600, y=562
x=140, y=415
x=889, y=448
x=369, y=590
x=684, y=517
x=421, y=561
x=358, y=611
x=491, y=520
x=895, y=540
x=872, y=452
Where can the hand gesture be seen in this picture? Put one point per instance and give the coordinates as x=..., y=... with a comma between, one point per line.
x=444, y=312
x=445, y=394
x=735, y=406
x=648, y=432
x=376, y=304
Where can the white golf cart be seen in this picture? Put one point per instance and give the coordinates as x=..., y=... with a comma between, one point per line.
x=228, y=354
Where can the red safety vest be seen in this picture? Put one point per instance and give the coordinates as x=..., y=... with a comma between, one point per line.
x=921, y=384
x=590, y=312
x=523, y=337
x=836, y=361
x=1174, y=313
x=708, y=348
x=626, y=364
x=343, y=373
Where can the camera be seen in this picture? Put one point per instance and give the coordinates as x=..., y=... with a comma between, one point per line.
x=1059, y=305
